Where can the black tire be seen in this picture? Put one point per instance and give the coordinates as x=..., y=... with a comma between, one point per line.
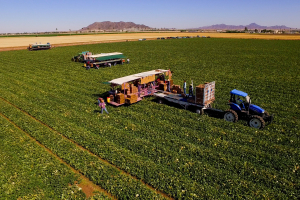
x=231, y=116
x=160, y=101
x=199, y=111
x=256, y=121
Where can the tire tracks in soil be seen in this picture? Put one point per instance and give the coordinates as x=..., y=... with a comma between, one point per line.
x=82, y=148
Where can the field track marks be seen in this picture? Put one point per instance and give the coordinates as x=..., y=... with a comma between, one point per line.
x=88, y=187
x=82, y=148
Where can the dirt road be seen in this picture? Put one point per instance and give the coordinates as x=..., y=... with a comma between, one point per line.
x=14, y=43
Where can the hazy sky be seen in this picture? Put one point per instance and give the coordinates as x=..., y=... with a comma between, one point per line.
x=47, y=15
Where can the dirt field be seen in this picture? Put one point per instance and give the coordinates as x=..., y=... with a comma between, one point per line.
x=14, y=43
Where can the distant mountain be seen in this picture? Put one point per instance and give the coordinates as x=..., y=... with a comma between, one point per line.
x=242, y=27
x=107, y=25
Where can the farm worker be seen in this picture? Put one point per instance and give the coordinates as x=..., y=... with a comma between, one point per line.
x=158, y=81
x=184, y=87
x=139, y=90
x=88, y=65
x=109, y=64
x=102, y=105
x=115, y=64
x=128, y=60
x=191, y=90
x=168, y=82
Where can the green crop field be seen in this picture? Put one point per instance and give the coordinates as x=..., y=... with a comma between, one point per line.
x=150, y=150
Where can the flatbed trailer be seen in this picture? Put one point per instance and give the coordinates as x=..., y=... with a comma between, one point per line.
x=182, y=101
x=204, y=97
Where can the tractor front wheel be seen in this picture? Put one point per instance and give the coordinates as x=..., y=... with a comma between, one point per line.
x=256, y=122
x=231, y=116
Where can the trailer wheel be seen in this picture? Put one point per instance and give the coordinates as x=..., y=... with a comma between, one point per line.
x=160, y=101
x=230, y=116
x=199, y=111
x=256, y=121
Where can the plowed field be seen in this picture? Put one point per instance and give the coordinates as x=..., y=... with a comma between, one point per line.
x=14, y=43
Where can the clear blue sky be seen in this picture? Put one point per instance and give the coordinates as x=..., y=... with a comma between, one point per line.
x=47, y=15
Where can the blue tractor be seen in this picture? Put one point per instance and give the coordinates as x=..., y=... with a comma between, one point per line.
x=241, y=107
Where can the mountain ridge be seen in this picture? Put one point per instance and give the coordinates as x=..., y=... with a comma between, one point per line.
x=242, y=27
x=108, y=25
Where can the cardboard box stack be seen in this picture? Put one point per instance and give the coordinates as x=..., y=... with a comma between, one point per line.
x=199, y=94
x=177, y=88
x=120, y=99
x=125, y=86
x=132, y=98
x=133, y=89
x=147, y=79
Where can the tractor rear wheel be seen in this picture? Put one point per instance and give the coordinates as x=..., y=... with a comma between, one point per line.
x=256, y=121
x=231, y=116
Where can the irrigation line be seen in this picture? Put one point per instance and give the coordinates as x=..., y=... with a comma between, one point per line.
x=91, y=185
x=82, y=148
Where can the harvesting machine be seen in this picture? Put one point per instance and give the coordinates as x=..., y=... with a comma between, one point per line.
x=101, y=59
x=36, y=46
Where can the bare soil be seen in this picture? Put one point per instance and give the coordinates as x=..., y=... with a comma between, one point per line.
x=17, y=43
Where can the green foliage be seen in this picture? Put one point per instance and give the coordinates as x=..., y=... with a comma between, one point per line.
x=27, y=171
x=174, y=150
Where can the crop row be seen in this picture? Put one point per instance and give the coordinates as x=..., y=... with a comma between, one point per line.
x=108, y=177
x=28, y=171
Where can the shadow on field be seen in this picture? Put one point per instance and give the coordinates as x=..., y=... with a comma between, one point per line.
x=215, y=113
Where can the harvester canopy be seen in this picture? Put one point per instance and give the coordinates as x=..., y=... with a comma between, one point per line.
x=110, y=57
x=126, y=79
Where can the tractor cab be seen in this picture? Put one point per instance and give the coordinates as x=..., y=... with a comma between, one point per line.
x=239, y=101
